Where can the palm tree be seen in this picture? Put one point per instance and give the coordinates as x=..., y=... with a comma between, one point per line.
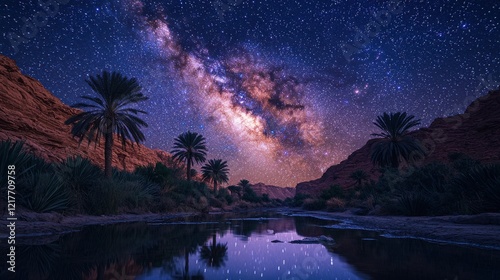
x=189, y=147
x=109, y=113
x=214, y=255
x=359, y=176
x=215, y=171
x=244, y=183
x=395, y=146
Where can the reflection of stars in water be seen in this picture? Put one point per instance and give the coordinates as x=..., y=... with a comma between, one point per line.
x=256, y=255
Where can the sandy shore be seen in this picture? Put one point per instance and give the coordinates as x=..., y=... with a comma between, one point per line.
x=474, y=230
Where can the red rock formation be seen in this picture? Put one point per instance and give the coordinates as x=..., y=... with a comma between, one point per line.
x=31, y=113
x=475, y=133
x=274, y=192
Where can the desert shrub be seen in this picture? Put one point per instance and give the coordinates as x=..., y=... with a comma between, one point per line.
x=192, y=188
x=138, y=193
x=478, y=189
x=43, y=192
x=202, y=204
x=224, y=194
x=13, y=153
x=214, y=202
x=332, y=191
x=298, y=199
x=462, y=162
x=431, y=178
x=265, y=198
x=335, y=204
x=313, y=204
x=78, y=176
x=410, y=204
x=235, y=190
x=165, y=204
x=159, y=174
x=365, y=191
x=250, y=195
x=104, y=198
x=388, y=180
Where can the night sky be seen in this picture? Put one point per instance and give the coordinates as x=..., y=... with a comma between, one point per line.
x=281, y=89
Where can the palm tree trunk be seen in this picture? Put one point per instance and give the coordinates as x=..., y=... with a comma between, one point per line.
x=215, y=187
x=188, y=174
x=108, y=154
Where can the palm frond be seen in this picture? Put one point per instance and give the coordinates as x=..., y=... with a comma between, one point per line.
x=395, y=146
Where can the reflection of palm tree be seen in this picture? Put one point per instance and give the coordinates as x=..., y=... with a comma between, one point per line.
x=183, y=274
x=214, y=255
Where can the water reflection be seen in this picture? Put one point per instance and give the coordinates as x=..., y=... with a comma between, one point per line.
x=241, y=248
x=214, y=255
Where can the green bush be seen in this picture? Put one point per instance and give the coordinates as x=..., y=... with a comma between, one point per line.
x=78, y=176
x=250, y=195
x=42, y=192
x=13, y=153
x=462, y=162
x=298, y=199
x=160, y=174
x=192, y=188
x=235, y=190
x=334, y=191
x=478, y=189
x=104, y=198
x=224, y=194
x=410, y=204
x=312, y=204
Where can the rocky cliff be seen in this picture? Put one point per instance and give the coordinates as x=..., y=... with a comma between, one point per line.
x=274, y=192
x=476, y=133
x=31, y=113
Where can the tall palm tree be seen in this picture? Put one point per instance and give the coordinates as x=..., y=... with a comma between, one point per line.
x=109, y=113
x=395, y=146
x=189, y=147
x=359, y=176
x=215, y=171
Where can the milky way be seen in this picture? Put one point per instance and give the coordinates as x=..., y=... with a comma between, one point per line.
x=261, y=107
x=268, y=83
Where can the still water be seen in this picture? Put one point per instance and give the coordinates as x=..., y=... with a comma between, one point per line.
x=254, y=246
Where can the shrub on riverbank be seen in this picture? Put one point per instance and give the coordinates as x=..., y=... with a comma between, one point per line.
x=77, y=186
x=463, y=186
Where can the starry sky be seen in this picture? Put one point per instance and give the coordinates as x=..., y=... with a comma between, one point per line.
x=281, y=89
